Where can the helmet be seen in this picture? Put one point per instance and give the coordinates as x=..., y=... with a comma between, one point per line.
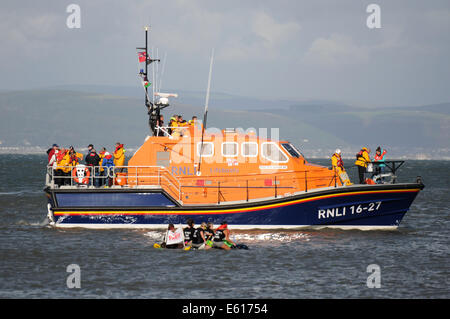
x=338, y=151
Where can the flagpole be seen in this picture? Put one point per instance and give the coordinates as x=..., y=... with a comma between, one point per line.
x=146, y=65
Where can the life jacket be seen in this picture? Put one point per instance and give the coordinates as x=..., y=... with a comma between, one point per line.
x=381, y=156
x=80, y=174
x=74, y=160
x=63, y=161
x=339, y=162
x=362, y=157
x=359, y=154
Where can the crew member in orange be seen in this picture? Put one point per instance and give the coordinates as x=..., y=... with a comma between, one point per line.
x=362, y=159
x=338, y=166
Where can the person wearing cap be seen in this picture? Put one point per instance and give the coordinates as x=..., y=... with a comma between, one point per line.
x=338, y=166
x=90, y=147
x=222, y=237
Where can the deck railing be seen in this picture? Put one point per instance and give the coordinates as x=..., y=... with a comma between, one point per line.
x=224, y=189
x=117, y=176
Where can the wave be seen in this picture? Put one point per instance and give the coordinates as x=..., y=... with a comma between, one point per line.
x=245, y=236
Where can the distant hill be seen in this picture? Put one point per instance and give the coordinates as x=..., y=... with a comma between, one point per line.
x=424, y=126
x=68, y=117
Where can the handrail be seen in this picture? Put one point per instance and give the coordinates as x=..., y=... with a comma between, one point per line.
x=149, y=176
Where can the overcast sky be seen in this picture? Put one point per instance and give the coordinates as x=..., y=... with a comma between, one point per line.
x=315, y=49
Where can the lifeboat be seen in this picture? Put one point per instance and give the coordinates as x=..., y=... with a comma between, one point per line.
x=248, y=180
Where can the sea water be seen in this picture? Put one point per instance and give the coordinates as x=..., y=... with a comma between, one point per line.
x=35, y=258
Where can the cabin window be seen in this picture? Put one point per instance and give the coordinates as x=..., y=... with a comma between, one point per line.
x=163, y=159
x=208, y=149
x=229, y=149
x=291, y=149
x=273, y=153
x=249, y=149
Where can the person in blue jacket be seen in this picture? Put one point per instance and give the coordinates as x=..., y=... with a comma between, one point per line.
x=107, y=163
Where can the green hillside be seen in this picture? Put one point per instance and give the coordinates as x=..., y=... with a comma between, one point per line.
x=43, y=117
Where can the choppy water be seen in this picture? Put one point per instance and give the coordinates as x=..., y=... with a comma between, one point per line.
x=414, y=260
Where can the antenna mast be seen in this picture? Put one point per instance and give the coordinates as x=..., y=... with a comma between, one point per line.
x=152, y=111
x=205, y=115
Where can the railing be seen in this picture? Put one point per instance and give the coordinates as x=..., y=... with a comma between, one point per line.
x=120, y=176
x=377, y=170
x=243, y=187
x=164, y=130
x=280, y=185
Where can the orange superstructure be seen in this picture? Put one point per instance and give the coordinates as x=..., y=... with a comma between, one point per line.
x=234, y=166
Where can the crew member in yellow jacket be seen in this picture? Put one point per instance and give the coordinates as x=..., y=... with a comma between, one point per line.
x=362, y=159
x=63, y=167
x=338, y=166
x=119, y=156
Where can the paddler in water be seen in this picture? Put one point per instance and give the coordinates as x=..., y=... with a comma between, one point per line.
x=338, y=166
x=222, y=237
x=209, y=235
x=189, y=232
x=199, y=239
x=171, y=229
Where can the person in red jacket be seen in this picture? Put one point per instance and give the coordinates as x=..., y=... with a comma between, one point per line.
x=51, y=152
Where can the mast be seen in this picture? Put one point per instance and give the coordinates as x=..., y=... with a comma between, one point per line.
x=143, y=73
x=146, y=68
x=205, y=115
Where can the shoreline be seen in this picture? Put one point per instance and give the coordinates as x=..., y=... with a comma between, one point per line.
x=309, y=154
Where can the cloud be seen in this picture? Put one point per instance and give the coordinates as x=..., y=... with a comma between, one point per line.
x=336, y=50
x=271, y=32
x=264, y=38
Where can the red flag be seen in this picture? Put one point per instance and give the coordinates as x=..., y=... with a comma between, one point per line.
x=141, y=56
